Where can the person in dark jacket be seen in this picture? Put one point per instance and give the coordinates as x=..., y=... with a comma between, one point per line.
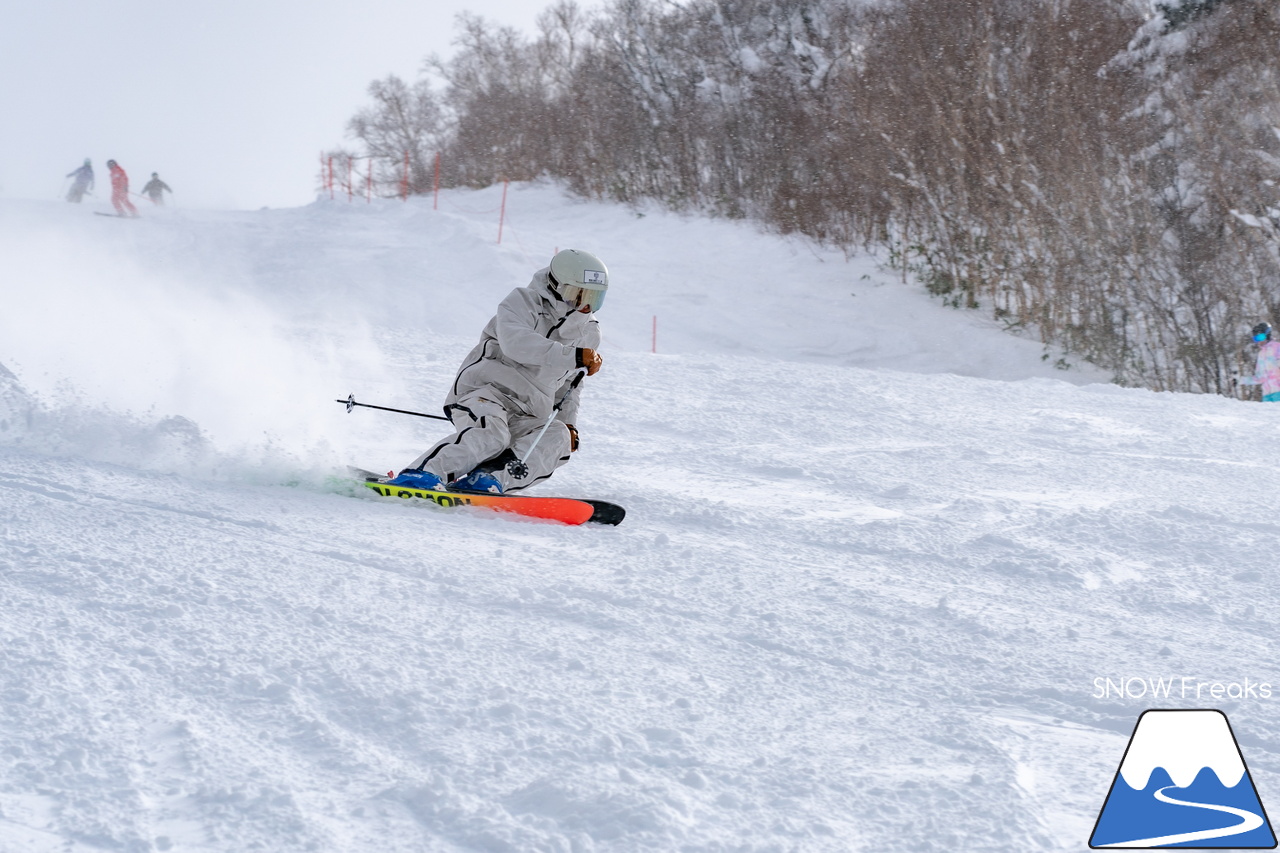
x=155, y=189
x=83, y=182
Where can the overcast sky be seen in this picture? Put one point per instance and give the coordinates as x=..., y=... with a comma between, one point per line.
x=231, y=102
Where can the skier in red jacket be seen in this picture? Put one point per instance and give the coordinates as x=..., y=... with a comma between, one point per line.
x=120, y=190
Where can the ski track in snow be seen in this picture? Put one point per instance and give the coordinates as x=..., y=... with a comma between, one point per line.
x=852, y=607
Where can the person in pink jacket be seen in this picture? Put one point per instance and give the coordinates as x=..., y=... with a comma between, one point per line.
x=120, y=190
x=1267, y=371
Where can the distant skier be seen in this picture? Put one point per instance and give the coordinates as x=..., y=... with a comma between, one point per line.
x=1267, y=371
x=120, y=190
x=155, y=189
x=83, y=182
x=531, y=357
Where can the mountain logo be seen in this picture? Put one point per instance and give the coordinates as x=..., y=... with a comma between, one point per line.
x=1182, y=783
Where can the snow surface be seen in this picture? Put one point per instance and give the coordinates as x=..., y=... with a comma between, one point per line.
x=879, y=555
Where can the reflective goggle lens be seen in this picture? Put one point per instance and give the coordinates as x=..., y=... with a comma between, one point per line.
x=1260, y=337
x=579, y=297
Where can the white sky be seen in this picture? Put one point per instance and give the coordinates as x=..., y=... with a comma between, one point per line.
x=230, y=101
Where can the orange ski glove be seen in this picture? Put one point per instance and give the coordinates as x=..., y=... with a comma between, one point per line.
x=590, y=359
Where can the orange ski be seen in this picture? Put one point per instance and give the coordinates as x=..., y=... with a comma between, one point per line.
x=563, y=510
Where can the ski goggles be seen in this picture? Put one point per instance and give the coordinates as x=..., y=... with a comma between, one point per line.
x=1260, y=337
x=582, y=297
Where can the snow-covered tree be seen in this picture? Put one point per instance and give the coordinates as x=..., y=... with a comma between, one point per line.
x=405, y=119
x=1101, y=171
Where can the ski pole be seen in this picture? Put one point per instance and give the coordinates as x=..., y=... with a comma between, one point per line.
x=518, y=468
x=351, y=403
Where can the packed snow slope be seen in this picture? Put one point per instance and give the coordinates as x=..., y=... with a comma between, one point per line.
x=877, y=554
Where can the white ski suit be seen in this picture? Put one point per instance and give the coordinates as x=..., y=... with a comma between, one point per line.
x=508, y=385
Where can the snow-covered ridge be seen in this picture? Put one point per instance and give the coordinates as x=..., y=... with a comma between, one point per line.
x=249, y=324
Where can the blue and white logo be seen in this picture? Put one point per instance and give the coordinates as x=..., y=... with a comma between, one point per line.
x=1183, y=783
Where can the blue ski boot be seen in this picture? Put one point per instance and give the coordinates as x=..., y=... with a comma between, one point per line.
x=416, y=478
x=477, y=481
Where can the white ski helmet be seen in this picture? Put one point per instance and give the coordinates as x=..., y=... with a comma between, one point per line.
x=579, y=278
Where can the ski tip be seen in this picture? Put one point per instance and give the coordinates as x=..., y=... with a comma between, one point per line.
x=362, y=474
x=604, y=512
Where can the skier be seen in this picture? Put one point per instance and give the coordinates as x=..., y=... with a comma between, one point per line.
x=120, y=190
x=524, y=375
x=155, y=189
x=1267, y=371
x=83, y=182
